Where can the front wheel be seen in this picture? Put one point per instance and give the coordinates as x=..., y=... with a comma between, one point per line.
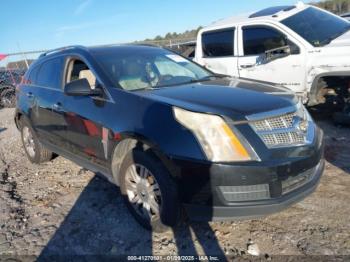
x=149, y=191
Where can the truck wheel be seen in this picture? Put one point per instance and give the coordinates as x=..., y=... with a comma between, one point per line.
x=149, y=191
x=35, y=151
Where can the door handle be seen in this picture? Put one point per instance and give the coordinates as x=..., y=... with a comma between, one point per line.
x=30, y=95
x=57, y=106
x=247, y=65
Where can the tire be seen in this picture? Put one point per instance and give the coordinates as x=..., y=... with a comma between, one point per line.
x=8, y=98
x=35, y=151
x=154, y=174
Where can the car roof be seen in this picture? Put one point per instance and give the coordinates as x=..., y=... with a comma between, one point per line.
x=272, y=10
x=94, y=49
x=275, y=13
x=122, y=47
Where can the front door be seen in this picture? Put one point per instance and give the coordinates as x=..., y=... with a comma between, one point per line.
x=85, y=135
x=287, y=70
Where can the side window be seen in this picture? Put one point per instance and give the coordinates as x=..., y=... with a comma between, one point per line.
x=257, y=40
x=294, y=49
x=50, y=73
x=31, y=77
x=218, y=43
x=77, y=69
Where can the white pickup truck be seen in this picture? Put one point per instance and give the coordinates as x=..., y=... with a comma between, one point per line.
x=301, y=47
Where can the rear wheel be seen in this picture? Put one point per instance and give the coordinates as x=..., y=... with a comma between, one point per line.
x=35, y=151
x=8, y=98
x=149, y=191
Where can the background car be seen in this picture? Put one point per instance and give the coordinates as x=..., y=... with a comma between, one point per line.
x=301, y=47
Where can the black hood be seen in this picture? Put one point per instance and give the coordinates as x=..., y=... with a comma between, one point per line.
x=232, y=97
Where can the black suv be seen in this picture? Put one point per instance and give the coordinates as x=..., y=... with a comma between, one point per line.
x=171, y=134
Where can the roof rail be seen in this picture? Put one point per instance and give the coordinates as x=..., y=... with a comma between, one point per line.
x=272, y=10
x=61, y=49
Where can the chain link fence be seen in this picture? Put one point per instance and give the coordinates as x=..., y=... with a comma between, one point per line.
x=12, y=68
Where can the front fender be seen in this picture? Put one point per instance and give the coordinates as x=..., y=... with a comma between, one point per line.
x=130, y=141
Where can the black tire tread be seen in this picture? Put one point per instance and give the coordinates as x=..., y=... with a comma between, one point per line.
x=171, y=212
x=42, y=154
x=45, y=154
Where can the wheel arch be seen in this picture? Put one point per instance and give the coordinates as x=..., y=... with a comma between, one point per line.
x=132, y=141
x=17, y=118
x=315, y=88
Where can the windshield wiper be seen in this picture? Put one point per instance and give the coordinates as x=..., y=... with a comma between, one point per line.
x=208, y=78
x=144, y=88
x=203, y=79
x=222, y=76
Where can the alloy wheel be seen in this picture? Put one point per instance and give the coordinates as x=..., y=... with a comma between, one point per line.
x=143, y=192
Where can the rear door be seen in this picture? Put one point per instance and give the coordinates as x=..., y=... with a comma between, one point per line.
x=254, y=41
x=27, y=91
x=217, y=51
x=47, y=116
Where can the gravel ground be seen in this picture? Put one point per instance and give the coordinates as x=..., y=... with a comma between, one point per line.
x=60, y=208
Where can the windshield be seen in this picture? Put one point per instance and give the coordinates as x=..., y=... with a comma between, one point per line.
x=137, y=67
x=317, y=27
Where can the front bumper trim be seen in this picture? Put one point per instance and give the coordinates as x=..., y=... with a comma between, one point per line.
x=239, y=212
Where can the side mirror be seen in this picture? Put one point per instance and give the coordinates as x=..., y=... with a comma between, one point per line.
x=277, y=53
x=81, y=87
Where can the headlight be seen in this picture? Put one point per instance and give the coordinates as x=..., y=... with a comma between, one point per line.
x=218, y=141
x=305, y=117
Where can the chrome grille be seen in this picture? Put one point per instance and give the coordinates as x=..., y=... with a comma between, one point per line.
x=283, y=138
x=283, y=129
x=272, y=123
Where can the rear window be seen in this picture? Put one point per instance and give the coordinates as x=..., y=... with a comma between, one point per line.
x=50, y=73
x=218, y=43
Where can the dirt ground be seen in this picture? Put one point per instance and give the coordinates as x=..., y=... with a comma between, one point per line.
x=60, y=208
